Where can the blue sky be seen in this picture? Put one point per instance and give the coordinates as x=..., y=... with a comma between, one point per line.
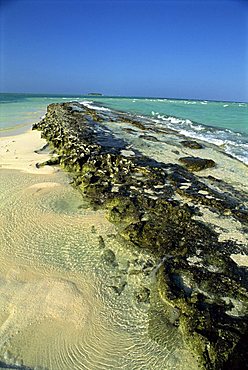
x=182, y=49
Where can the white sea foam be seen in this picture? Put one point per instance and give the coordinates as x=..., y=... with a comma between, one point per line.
x=231, y=142
x=226, y=105
x=173, y=119
x=76, y=109
x=237, y=150
x=89, y=104
x=240, y=157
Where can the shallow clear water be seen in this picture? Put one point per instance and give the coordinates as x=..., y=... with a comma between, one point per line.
x=224, y=124
x=22, y=109
x=230, y=115
x=59, y=305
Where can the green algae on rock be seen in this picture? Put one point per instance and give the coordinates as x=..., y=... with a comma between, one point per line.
x=196, y=163
x=195, y=275
x=192, y=144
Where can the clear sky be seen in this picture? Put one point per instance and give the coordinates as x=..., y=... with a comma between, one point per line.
x=180, y=48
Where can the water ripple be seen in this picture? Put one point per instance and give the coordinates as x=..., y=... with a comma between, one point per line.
x=59, y=308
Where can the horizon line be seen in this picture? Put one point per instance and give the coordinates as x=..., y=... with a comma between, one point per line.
x=122, y=96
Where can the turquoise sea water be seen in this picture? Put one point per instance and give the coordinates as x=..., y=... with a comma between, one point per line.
x=222, y=123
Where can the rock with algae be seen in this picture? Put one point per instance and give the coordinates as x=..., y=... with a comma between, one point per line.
x=196, y=163
x=196, y=278
x=192, y=144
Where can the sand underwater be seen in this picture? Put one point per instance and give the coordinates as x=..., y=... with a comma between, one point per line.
x=77, y=290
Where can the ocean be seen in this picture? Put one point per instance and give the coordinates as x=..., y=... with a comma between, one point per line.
x=74, y=294
x=224, y=124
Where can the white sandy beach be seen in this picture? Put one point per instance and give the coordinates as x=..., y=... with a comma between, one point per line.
x=17, y=152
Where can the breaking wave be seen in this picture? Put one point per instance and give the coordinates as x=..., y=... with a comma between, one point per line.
x=233, y=143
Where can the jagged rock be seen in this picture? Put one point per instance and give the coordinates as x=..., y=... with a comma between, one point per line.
x=196, y=276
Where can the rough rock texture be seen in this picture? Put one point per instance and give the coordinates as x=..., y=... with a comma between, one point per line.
x=196, y=163
x=195, y=274
x=192, y=144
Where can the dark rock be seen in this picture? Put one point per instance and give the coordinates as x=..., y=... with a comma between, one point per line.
x=149, y=138
x=93, y=229
x=119, y=289
x=8, y=366
x=148, y=267
x=192, y=144
x=241, y=215
x=198, y=280
x=130, y=130
x=143, y=296
x=101, y=243
x=196, y=163
x=109, y=256
x=238, y=359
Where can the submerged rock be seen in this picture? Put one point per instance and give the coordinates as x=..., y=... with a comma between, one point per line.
x=101, y=242
x=149, y=138
x=143, y=296
x=195, y=276
x=4, y=365
x=196, y=163
x=192, y=144
x=109, y=256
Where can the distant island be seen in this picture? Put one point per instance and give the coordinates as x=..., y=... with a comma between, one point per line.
x=97, y=94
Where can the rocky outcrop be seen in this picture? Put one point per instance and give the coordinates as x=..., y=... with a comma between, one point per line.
x=192, y=144
x=147, y=200
x=196, y=163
